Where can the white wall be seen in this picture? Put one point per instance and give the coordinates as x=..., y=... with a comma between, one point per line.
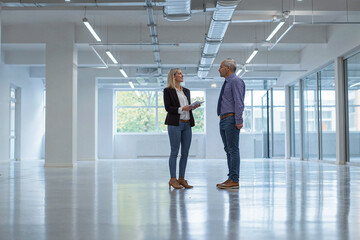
x=153, y=145
x=214, y=145
x=31, y=104
x=105, y=124
x=4, y=114
x=87, y=118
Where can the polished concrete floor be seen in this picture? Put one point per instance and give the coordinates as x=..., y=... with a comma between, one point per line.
x=130, y=199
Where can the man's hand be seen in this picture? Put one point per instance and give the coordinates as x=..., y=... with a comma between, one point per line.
x=239, y=126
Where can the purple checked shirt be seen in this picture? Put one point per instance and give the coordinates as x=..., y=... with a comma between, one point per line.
x=233, y=97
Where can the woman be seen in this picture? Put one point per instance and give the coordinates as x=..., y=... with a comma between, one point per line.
x=179, y=119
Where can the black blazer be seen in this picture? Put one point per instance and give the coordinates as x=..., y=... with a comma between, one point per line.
x=172, y=104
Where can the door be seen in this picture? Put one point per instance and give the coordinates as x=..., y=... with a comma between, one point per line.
x=14, y=123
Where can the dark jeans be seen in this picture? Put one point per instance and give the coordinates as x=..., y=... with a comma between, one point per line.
x=179, y=135
x=230, y=137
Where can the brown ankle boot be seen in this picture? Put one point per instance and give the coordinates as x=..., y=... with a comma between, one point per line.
x=174, y=183
x=183, y=182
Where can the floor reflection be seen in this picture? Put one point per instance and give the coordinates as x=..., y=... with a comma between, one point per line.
x=277, y=199
x=179, y=222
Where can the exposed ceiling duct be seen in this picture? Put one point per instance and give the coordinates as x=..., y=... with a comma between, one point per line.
x=76, y=3
x=177, y=10
x=219, y=23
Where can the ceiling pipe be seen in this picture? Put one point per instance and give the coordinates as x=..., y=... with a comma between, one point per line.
x=75, y=3
x=153, y=35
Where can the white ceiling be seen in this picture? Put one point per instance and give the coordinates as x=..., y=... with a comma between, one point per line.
x=117, y=24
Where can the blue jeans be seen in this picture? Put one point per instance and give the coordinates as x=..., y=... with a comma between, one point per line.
x=179, y=135
x=230, y=137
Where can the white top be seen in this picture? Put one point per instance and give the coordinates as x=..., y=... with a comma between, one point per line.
x=184, y=115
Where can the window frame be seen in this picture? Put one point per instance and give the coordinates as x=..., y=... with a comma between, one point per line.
x=156, y=107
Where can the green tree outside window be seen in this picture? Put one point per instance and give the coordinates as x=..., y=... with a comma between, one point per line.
x=137, y=111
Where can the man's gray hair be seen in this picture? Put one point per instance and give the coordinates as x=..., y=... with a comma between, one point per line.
x=229, y=62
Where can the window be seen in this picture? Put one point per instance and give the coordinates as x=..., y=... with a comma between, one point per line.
x=13, y=123
x=295, y=120
x=327, y=118
x=353, y=86
x=252, y=113
x=310, y=117
x=278, y=120
x=143, y=111
x=320, y=115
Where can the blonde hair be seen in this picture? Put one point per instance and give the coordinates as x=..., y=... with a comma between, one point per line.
x=171, y=77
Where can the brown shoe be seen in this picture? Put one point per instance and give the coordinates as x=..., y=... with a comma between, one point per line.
x=217, y=185
x=184, y=183
x=174, y=183
x=229, y=185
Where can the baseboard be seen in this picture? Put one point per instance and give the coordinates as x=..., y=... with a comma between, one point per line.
x=59, y=165
x=4, y=161
x=28, y=159
x=87, y=159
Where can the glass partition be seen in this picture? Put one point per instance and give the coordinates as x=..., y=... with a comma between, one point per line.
x=327, y=130
x=311, y=146
x=279, y=125
x=353, y=84
x=295, y=121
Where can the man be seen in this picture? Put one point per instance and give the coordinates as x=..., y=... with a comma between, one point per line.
x=230, y=109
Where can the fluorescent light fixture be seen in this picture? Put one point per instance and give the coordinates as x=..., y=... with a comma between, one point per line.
x=124, y=74
x=131, y=84
x=111, y=56
x=239, y=71
x=281, y=37
x=67, y=0
x=275, y=31
x=213, y=85
x=90, y=28
x=252, y=55
x=355, y=84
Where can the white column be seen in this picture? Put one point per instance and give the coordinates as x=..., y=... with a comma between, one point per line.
x=106, y=123
x=4, y=115
x=87, y=117
x=4, y=108
x=61, y=97
x=288, y=122
x=214, y=144
x=1, y=55
x=302, y=119
x=341, y=141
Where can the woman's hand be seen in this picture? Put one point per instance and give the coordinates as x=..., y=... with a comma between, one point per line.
x=196, y=106
x=187, y=108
